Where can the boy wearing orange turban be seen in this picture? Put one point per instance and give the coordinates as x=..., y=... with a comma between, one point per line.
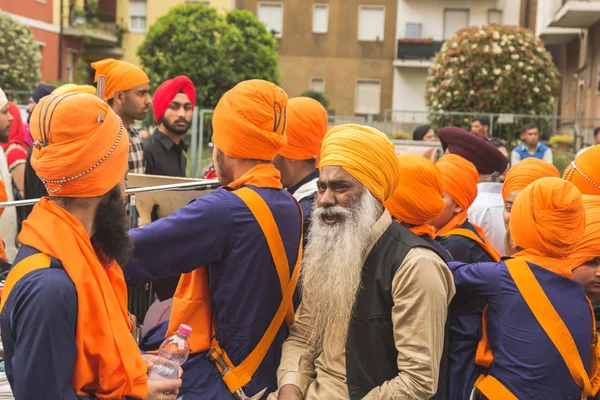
x=354, y=244
x=587, y=254
x=418, y=198
x=65, y=328
x=518, y=178
x=128, y=93
x=297, y=160
x=465, y=241
x=584, y=172
x=539, y=320
x=247, y=235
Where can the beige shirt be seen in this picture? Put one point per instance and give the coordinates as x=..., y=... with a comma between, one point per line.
x=422, y=289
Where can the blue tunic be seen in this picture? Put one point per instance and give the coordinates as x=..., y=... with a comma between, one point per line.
x=38, y=325
x=219, y=231
x=525, y=359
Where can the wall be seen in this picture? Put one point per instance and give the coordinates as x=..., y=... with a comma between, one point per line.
x=154, y=10
x=546, y=10
x=409, y=89
x=431, y=14
x=337, y=56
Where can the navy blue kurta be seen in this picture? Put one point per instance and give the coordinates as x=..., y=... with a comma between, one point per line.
x=219, y=231
x=38, y=325
x=525, y=359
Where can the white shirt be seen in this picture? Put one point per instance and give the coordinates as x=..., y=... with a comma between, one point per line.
x=487, y=212
x=8, y=220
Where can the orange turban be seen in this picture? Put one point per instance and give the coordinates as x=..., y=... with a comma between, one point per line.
x=306, y=126
x=589, y=247
x=460, y=179
x=548, y=222
x=525, y=172
x=82, y=146
x=72, y=88
x=249, y=121
x=418, y=197
x=120, y=75
x=584, y=172
x=366, y=154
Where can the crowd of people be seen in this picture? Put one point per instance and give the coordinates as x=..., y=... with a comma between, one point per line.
x=324, y=267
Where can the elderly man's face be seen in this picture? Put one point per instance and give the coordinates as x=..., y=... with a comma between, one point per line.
x=336, y=187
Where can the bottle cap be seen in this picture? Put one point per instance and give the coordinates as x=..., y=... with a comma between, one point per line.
x=184, y=330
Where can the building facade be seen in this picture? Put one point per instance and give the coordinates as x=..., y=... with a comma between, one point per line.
x=135, y=16
x=571, y=31
x=423, y=26
x=342, y=48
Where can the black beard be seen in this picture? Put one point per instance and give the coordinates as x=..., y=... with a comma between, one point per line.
x=174, y=129
x=111, y=240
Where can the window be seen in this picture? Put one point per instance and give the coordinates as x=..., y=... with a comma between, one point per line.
x=368, y=97
x=413, y=31
x=494, y=16
x=271, y=14
x=454, y=21
x=317, y=85
x=137, y=16
x=371, y=23
x=320, y=18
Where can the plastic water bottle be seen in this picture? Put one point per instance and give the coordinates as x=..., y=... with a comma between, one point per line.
x=172, y=353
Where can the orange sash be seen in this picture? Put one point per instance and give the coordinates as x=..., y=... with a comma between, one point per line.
x=553, y=325
x=108, y=363
x=424, y=230
x=483, y=242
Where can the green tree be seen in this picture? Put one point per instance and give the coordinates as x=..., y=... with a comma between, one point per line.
x=215, y=51
x=493, y=69
x=19, y=56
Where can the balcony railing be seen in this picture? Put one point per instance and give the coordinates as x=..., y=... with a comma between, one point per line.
x=418, y=49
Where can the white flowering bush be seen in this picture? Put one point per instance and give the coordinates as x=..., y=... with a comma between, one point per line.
x=19, y=56
x=494, y=69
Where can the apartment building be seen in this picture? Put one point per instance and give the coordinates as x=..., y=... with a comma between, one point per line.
x=66, y=35
x=342, y=48
x=138, y=15
x=423, y=26
x=571, y=30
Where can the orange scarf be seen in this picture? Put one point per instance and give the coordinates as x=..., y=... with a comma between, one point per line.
x=454, y=223
x=108, y=364
x=424, y=230
x=191, y=302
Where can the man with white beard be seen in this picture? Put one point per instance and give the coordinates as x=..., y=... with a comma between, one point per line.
x=375, y=295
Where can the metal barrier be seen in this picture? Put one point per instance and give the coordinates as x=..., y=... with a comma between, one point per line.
x=504, y=126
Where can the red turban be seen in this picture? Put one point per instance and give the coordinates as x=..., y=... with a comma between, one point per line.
x=166, y=92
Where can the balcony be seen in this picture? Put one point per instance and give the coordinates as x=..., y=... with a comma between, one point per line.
x=556, y=36
x=417, y=53
x=577, y=14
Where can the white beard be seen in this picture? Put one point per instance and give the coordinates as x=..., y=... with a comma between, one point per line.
x=332, y=267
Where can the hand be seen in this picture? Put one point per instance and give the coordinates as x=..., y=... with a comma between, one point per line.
x=157, y=390
x=290, y=392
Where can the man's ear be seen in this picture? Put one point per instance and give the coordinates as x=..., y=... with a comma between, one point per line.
x=119, y=97
x=457, y=210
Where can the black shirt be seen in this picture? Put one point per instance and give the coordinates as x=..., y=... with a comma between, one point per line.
x=163, y=157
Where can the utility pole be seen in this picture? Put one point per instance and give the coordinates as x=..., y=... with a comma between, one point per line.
x=60, y=42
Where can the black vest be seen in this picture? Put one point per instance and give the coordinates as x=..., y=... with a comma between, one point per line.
x=371, y=355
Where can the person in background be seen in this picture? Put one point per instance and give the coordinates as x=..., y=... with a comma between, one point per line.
x=173, y=106
x=596, y=142
x=487, y=209
x=128, y=93
x=425, y=133
x=481, y=125
x=518, y=178
x=540, y=335
x=8, y=220
x=297, y=160
x=237, y=293
x=531, y=146
x=63, y=317
x=16, y=148
x=384, y=340
x=584, y=172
